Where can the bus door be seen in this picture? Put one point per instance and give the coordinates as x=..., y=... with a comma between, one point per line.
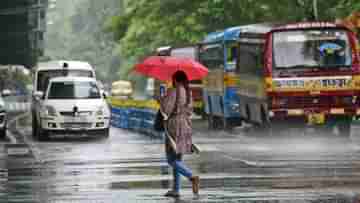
x=212, y=56
x=251, y=80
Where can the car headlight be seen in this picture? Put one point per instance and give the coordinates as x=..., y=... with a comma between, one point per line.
x=103, y=111
x=50, y=111
x=100, y=111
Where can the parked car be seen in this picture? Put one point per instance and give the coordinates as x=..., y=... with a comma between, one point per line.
x=72, y=105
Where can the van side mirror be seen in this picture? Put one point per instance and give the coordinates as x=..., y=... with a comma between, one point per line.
x=39, y=95
x=105, y=94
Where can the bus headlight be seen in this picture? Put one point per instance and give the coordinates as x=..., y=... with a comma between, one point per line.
x=100, y=111
x=235, y=107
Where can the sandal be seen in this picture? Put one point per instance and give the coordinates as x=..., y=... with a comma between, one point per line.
x=195, y=181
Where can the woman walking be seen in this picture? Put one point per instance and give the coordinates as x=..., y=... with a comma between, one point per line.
x=177, y=105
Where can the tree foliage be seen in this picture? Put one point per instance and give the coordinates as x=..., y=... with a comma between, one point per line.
x=78, y=33
x=147, y=24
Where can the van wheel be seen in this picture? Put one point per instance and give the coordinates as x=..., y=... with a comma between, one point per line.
x=41, y=134
x=344, y=127
x=106, y=133
x=3, y=133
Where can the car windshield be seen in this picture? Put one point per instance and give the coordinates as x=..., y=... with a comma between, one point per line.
x=311, y=48
x=74, y=90
x=45, y=76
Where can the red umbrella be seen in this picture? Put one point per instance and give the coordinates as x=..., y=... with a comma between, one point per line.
x=163, y=67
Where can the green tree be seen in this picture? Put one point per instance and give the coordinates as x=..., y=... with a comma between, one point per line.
x=144, y=25
x=78, y=33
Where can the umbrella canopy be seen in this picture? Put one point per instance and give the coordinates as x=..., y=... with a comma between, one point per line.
x=163, y=67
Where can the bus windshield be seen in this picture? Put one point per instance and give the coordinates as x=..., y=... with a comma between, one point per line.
x=314, y=48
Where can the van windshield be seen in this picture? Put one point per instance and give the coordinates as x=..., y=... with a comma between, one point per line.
x=74, y=90
x=315, y=48
x=45, y=76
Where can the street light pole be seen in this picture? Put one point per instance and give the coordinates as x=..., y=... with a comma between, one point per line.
x=315, y=10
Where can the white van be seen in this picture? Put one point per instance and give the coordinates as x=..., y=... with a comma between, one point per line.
x=73, y=105
x=42, y=75
x=2, y=118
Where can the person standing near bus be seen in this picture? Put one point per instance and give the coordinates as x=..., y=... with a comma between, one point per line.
x=177, y=105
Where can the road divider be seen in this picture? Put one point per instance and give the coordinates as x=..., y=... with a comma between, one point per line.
x=135, y=115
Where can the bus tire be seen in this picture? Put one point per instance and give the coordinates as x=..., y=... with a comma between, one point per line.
x=210, y=122
x=265, y=128
x=34, y=126
x=248, y=113
x=344, y=127
x=41, y=135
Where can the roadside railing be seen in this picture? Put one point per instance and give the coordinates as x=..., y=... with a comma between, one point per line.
x=134, y=115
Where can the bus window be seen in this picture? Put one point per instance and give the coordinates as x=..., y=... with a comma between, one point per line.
x=250, y=59
x=212, y=56
x=232, y=54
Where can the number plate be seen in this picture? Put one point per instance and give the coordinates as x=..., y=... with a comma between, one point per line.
x=316, y=118
x=78, y=119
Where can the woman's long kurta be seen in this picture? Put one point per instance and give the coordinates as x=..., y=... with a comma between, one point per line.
x=179, y=123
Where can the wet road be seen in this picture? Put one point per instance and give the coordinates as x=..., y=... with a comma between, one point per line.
x=128, y=167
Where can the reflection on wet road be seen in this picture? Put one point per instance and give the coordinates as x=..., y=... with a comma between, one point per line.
x=128, y=167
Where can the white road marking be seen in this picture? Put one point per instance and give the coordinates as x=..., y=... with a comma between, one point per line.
x=14, y=150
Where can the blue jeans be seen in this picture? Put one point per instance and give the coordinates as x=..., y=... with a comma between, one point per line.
x=179, y=168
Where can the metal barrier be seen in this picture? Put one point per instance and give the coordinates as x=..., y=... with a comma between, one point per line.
x=135, y=115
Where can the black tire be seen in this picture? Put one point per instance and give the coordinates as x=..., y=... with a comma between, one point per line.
x=344, y=127
x=218, y=123
x=41, y=134
x=106, y=132
x=264, y=128
x=210, y=122
x=248, y=114
x=34, y=127
x=3, y=133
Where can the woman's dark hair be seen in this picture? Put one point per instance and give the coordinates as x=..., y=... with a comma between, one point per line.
x=181, y=77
